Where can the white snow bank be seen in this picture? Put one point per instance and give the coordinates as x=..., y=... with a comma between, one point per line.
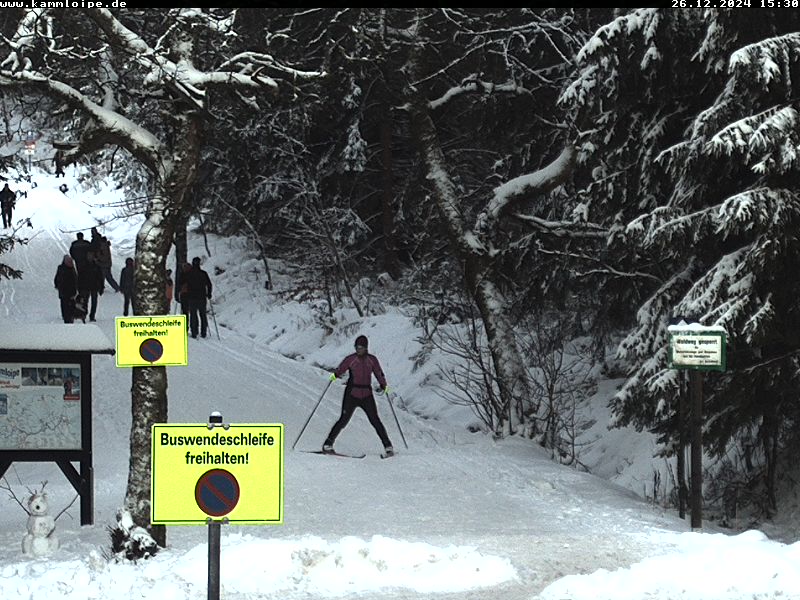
x=55, y=336
x=704, y=566
x=261, y=568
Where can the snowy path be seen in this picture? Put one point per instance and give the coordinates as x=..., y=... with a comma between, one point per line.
x=451, y=488
x=351, y=526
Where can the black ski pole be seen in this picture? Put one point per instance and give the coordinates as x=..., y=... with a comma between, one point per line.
x=312, y=413
x=396, y=421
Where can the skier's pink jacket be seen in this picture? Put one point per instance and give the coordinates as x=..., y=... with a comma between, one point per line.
x=361, y=371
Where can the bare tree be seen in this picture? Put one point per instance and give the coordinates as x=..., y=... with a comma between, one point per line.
x=480, y=241
x=468, y=371
x=560, y=382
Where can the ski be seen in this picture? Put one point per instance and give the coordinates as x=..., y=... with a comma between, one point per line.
x=339, y=454
x=384, y=455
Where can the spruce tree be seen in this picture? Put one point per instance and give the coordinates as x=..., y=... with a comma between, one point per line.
x=690, y=138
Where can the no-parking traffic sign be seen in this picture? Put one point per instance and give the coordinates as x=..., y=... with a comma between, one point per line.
x=152, y=341
x=200, y=473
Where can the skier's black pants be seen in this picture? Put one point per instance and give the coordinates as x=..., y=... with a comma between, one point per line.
x=349, y=405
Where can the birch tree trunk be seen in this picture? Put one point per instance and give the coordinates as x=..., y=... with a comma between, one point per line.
x=391, y=263
x=474, y=256
x=180, y=239
x=474, y=245
x=149, y=388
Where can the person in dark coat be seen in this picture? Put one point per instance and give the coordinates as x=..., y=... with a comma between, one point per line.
x=126, y=285
x=358, y=393
x=90, y=283
x=8, y=201
x=58, y=161
x=96, y=239
x=198, y=289
x=78, y=251
x=66, y=282
x=104, y=262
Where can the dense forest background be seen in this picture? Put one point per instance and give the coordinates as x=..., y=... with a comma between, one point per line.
x=539, y=176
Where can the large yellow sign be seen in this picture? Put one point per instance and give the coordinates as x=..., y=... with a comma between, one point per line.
x=200, y=473
x=152, y=341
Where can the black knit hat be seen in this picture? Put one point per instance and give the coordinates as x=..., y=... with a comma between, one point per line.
x=362, y=341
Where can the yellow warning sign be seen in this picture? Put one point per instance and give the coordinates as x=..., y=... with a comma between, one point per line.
x=152, y=341
x=200, y=473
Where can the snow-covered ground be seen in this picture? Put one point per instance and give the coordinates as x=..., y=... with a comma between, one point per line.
x=455, y=516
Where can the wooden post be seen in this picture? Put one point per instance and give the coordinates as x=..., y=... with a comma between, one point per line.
x=696, y=385
x=681, y=453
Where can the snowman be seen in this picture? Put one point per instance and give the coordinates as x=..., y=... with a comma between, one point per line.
x=41, y=539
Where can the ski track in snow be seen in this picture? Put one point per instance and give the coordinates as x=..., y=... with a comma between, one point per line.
x=506, y=499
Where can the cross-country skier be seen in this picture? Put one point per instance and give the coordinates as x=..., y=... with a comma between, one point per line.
x=358, y=393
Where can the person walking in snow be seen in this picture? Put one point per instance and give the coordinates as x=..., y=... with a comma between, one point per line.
x=126, y=285
x=104, y=262
x=58, y=161
x=8, y=201
x=90, y=283
x=78, y=250
x=95, y=239
x=358, y=393
x=66, y=282
x=198, y=289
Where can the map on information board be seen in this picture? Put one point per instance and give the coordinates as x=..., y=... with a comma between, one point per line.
x=40, y=406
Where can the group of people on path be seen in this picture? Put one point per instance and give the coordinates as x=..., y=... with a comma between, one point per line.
x=194, y=290
x=81, y=276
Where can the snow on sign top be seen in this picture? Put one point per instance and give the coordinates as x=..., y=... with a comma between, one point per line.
x=695, y=328
x=55, y=337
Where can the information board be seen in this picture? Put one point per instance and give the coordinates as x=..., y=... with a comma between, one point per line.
x=40, y=406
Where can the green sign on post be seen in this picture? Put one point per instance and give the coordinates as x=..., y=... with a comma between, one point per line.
x=696, y=349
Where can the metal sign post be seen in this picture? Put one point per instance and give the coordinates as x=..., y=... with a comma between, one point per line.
x=216, y=474
x=214, y=529
x=214, y=546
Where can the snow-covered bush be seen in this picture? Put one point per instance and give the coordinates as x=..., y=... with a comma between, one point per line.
x=129, y=541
